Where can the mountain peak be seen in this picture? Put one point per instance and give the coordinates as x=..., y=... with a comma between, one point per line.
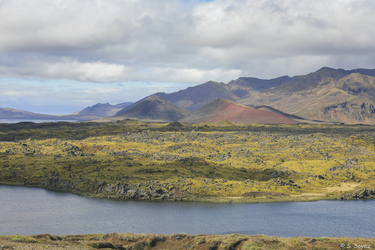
x=325, y=72
x=195, y=97
x=97, y=111
x=154, y=98
x=154, y=108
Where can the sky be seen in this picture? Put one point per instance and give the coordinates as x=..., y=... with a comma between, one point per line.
x=60, y=56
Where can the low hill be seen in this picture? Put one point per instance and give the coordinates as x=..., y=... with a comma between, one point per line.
x=220, y=110
x=153, y=108
x=96, y=111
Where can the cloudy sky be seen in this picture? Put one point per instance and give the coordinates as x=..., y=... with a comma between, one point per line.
x=59, y=56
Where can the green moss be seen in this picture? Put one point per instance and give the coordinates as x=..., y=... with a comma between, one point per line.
x=21, y=238
x=249, y=245
x=232, y=241
x=215, y=162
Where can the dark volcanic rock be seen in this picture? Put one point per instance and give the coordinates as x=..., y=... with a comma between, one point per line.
x=364, y=193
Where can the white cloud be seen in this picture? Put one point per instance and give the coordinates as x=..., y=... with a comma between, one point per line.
x=64, y=97
x=105, y=41
x=181, y=41
x=91, y=71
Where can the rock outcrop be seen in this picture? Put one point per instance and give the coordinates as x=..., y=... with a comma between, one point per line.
x=364, y=193
x=145, y=191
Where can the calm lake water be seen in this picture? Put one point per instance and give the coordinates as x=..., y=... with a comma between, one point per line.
x=29, y=211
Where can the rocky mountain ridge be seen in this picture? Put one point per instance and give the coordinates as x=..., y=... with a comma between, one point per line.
x=328, y=95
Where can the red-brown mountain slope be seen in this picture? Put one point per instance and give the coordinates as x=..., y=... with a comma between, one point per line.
x=225, y=110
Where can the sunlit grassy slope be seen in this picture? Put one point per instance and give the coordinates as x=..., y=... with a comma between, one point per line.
x=220, y=161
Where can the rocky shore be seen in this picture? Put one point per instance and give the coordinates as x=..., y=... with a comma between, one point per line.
x=364, y=193
x=176, y=191
x=152, y=190
x=145, y=191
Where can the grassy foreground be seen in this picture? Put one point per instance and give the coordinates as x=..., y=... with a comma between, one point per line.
x=220, y=162
x=179, y=241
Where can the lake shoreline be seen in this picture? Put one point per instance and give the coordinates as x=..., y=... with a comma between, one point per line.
x=223, y=200
x=179, y=199
x=176, y=241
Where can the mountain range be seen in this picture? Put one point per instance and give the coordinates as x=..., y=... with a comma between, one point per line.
x=327, y=95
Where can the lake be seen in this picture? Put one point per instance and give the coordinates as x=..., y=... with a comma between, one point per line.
x=29, y=211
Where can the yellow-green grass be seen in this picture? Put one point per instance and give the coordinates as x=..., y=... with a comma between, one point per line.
x=214, y=162
x=180, y=241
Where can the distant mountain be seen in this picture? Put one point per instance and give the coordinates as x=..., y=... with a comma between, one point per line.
x=244, y=85
x=122, y=105
x=225, y=110
x=332, y=95
x=131, y=105
x=8, y=113
x=153, y=108
x=96, y=111
x=367, y=72
x=195, y=97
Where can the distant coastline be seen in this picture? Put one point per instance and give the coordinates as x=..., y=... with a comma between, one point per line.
x=3, y=120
